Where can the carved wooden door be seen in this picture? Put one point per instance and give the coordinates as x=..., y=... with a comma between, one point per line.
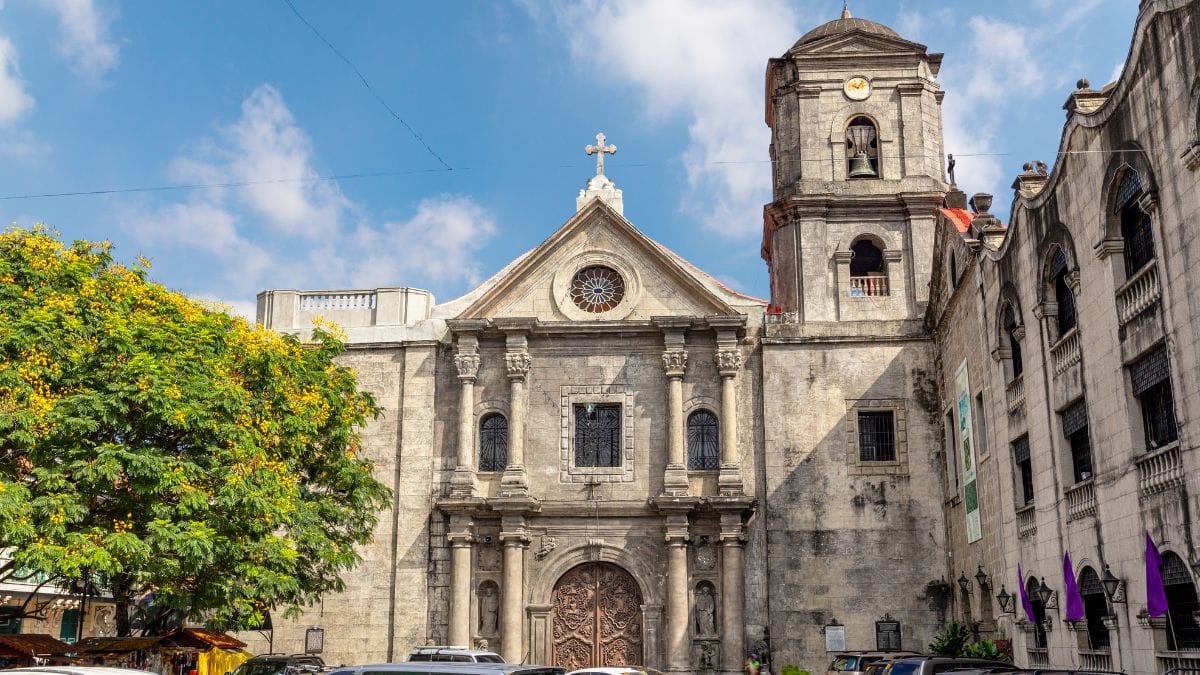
x=596, y=614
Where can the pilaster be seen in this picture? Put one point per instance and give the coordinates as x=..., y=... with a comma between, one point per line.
x=466, y=363
x=514, y=539
x=461, y=538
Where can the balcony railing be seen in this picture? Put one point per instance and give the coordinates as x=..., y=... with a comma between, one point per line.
x=318, y=302
x=1138, y=294
x=1026, y=521
x=1081, y=500
x=1160, y=470
x=1014, y=392
x=868, y=287
x=1095, y=660
x=1065, y=352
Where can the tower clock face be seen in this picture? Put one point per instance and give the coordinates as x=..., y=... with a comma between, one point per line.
x=857, y=88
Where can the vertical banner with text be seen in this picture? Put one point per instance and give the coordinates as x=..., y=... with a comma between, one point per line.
x=962, y=392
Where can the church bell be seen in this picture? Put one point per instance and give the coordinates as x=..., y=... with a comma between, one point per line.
x=860, y=166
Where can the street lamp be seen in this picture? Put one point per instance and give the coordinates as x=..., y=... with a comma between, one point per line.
x=1005, y=599
x=964, y=583
x=1045, y=593
x=981, y=578
x=1110, y=583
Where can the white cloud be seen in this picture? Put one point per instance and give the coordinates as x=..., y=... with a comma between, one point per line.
x=703, y=61
x=1116, y=71
x=85, y=42
x=14, y=100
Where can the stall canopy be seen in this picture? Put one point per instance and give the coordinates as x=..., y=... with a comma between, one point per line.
x=28, y=645
x=203, y=640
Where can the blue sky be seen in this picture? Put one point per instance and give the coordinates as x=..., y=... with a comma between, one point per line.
x=117, y=94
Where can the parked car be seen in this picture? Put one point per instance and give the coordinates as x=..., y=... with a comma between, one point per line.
x=281, y=664
x=929, y=665
x=855, y=663
x=448, y=668
x=617, y=670
x=75, y=670
x=448, y=654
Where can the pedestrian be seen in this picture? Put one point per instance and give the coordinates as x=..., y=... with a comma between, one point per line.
x=753, y=665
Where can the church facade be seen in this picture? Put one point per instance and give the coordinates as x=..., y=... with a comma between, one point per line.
x=602, y=455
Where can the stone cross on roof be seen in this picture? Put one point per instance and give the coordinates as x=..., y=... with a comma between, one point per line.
x=599, y=150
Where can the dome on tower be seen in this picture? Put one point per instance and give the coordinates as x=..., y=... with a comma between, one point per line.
x=845, y=24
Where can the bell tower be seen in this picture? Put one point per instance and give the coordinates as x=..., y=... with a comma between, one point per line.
x=856, y=148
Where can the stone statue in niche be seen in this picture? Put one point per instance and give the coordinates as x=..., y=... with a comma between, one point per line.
x=489, y=610
x=706, y=610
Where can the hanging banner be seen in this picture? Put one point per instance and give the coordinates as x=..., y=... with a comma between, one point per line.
x=962, y=392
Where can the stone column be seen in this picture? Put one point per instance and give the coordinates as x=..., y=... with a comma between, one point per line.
x=518, y=364
x=729, y=361
x=461, y=541
x=466, y=361
x=678, y=611
x=514, y=539
x=675, y=480
x=733, y=626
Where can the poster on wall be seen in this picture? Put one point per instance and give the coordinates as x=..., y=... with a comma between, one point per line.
x=962, y=392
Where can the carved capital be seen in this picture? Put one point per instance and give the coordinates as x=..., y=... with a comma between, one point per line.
x=842, y=257
x=1073, y=281
x=1148, y=201
x=729, y=361
x=1045, y=309
x=674, y=362
x=467, y=364
x=518, y=364
x=677, y=530
x=1019, y=332
x=1107, y=247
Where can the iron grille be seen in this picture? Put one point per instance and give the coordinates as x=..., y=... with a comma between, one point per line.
x=1063, y=295
x=876, y=437
x=1025, y=466
x=1074, y=418
x=1095, y=608
x=1183, y=631
x=493, y=443
x=1150, y=370
x=1131, y=185
x=597, y=435
x=1014, y=345
x=1081, y=455
x=1158, y=415
x=703, y=441
x=1139, y=239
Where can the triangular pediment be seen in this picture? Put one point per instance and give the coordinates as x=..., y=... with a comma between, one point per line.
x=654, y=281
x=858, y=41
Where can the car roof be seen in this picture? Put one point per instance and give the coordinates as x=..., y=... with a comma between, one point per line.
x=447, y=666
x=77, y=670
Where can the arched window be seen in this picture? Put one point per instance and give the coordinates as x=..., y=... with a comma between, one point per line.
x=1182, y=630
x=1014, y=345
x=1095, y=608
x=862, y=148
x=493, y=442
x=1039, y=613
x=703, y=441
x=953, y=271
x=868, y=271
x=1135, y=223
x=1060, y=277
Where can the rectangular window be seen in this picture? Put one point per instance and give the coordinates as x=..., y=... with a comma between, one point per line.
x=876, y=437
x=597, y=434
x=1024, y=466
x=1075, y=428
x=1151, y=378
x=887, y=636
x=951, y=455
x=981, y=426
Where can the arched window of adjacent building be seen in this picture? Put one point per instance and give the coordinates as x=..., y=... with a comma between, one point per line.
x=1075, y=429
x=703, y=441
x=953, y=270
x=862, y=148
x=1014, y=344
x=1095, y=608
x=868, y=271
x=493, y=442
x=1182, y=630
x=1060, y=277
x=1151, y=379
x=1136, y=228
x=1039, y=613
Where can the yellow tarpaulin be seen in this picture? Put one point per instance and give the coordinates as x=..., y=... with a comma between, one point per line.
x=219, y=661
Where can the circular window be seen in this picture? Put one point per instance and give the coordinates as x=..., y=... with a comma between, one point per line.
x=597, y=289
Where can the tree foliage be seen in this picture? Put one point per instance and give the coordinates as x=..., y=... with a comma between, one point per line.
x=951, y=641
x=151, y=443
x=985, y=649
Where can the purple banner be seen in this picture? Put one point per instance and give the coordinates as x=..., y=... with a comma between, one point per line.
x=1071, y=588
x=1025, y=595
x=1156, y=594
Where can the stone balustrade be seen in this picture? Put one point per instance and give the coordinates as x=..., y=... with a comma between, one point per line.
x=1160, y=470
x=1026, y=521
x=1065, y=352
x=868, y=287
x=1138, y=294
x=316, y=302
x=1095, y=660
x=1081, y=500
x=1014, y=393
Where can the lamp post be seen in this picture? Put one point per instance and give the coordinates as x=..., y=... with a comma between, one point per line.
x=1005, y=601
x=1112, y=585
x=964, y=583
x=1045, y=593
x=982, y=579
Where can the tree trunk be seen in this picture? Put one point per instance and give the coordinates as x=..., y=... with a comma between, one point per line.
x=121, y=596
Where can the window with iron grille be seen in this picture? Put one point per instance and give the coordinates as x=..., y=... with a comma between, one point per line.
x=493, y=442
x=1095, y=608
x=597, y=434
x=1075, y=428
x=1014, y=345
x=1139, y=238
x=1062, y=293
x=1182, y=629
x=703, y=441
x=1151, y=378
x=876, y=437
x=1039, y=614
x=1025, y=469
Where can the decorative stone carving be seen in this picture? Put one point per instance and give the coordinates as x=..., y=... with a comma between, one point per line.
x=467, y=365
x=675, y=362
x=548, y=544
x=706, y=610
x=729, y=361
x=518, y=364
x=706, y=557
x=489, y=558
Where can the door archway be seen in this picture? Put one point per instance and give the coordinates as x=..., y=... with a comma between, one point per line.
x=596, y=618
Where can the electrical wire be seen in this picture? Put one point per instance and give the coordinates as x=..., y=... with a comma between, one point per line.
x=367, y=84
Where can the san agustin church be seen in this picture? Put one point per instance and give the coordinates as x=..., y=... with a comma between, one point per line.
x=602, y=455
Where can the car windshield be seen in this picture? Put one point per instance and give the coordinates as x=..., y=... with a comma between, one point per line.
x=844, y=663
x=261, y=668
x=905, y=668
x=489, y=658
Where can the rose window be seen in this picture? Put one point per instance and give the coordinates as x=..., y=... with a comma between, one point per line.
x=597, y=289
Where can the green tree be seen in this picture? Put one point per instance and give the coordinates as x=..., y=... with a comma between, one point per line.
x=152, y=443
